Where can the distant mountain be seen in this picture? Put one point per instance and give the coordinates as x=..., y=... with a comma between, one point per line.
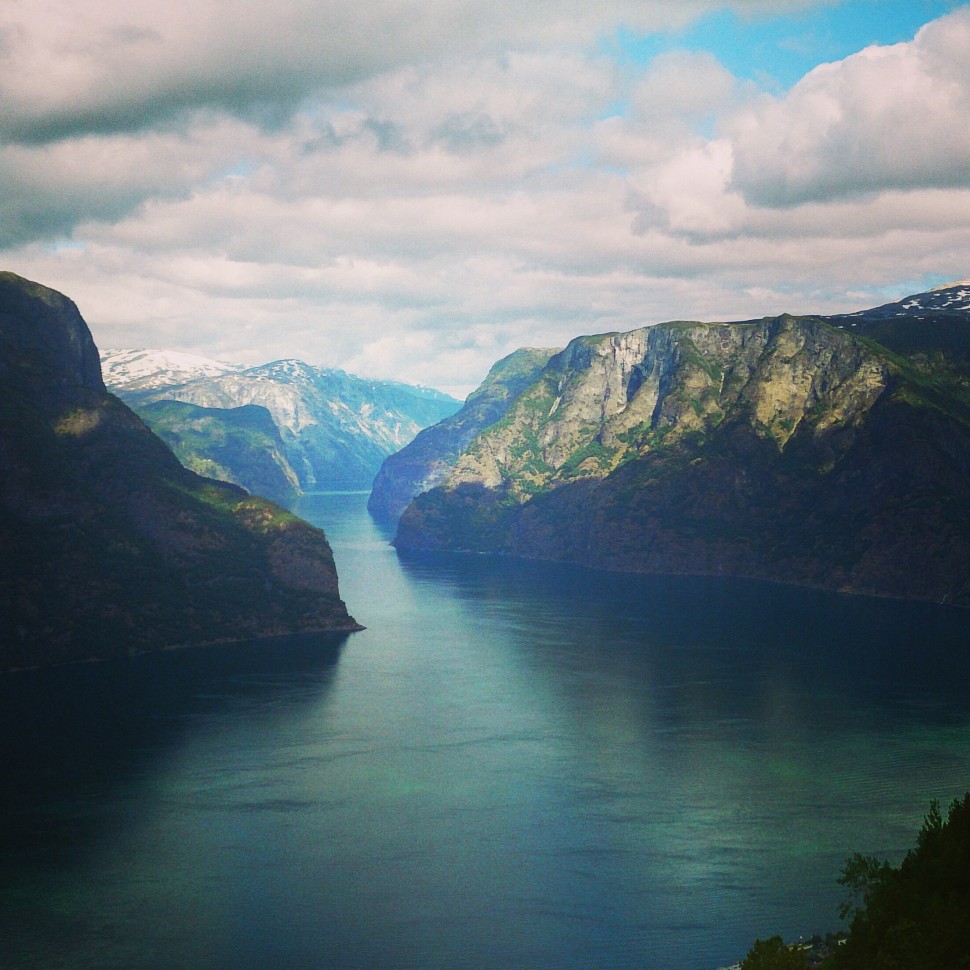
x=429, y=459
x=129, y=371
x=239, y=445
x=789, y=448
x=948, y=298
x=335, y=428
x=110, y=546
x=929, y=329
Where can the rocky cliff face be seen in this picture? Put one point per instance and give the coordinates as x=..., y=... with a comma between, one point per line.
x=783, y=449
x=607, y=399
x=429, y=459
x=335, y=428
x=109, y=545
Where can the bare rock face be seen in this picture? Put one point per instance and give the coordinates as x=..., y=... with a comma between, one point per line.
x=110, y=546
x=606, y=400
x=785, y=448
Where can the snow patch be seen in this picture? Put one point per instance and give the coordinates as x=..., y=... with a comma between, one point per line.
x=142, y=370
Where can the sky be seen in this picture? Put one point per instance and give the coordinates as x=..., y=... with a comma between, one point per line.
x=412, y=189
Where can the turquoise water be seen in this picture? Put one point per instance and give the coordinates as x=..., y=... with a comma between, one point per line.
x=514, y=766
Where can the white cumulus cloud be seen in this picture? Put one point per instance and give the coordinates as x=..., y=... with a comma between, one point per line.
x=414, y=189
x=885, y=118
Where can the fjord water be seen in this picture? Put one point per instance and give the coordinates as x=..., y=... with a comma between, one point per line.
x=516, y=765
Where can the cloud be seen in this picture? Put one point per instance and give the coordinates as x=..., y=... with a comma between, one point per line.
x=416, y=198
x=683, y=86
x=887, y=118
x=109, y=66
x=54, y=187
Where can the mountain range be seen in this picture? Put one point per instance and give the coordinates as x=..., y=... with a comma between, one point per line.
x=832, y=452
x=322, y=428
x=110, y=546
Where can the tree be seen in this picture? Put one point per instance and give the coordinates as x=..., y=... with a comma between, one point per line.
x=863, y=875
x=915, y=916
x=773, y=954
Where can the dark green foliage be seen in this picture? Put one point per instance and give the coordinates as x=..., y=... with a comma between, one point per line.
x=915, y=916
x=471, y=516
x=773, y=954
x=593, y=450
x=861, y=875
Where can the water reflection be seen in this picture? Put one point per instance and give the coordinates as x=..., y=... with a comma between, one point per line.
x=721, y=632
x=105, y=719
x=730, y=738
x=515, y=765
x=91, y=755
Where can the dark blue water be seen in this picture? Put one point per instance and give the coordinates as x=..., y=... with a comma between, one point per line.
x=514, y=766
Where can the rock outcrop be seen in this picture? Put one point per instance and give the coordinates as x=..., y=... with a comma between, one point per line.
x=784, y=449
x=110, y=546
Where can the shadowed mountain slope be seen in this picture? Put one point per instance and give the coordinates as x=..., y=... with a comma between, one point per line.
x=110, y=546
x=238, y=445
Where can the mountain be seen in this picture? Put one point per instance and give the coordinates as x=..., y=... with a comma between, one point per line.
x=428, y=460
x=335, y=428
x=239, y=445
x=110, y=546
x=788, y=449
x=929, y=329
x=948, y=298
x=130, y=371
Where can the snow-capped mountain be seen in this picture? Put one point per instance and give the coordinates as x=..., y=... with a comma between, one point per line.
x=948, y=298
x=146, y=370
x=336, y=428
x=932, y=329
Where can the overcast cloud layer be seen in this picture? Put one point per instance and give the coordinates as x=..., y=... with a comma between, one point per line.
x=413, y=189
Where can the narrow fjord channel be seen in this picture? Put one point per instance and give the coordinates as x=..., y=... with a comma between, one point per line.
x=515, y=766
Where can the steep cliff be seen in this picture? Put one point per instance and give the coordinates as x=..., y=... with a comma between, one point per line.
x=428, y=460
x=785, y=449
x=110, y=546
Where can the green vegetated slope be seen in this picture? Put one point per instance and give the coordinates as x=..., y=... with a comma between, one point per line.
x=239, y=445
x=109, y=545
x=429, y=459
x=785, y=449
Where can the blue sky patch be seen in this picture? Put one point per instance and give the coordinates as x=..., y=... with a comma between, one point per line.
x=777, y=51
